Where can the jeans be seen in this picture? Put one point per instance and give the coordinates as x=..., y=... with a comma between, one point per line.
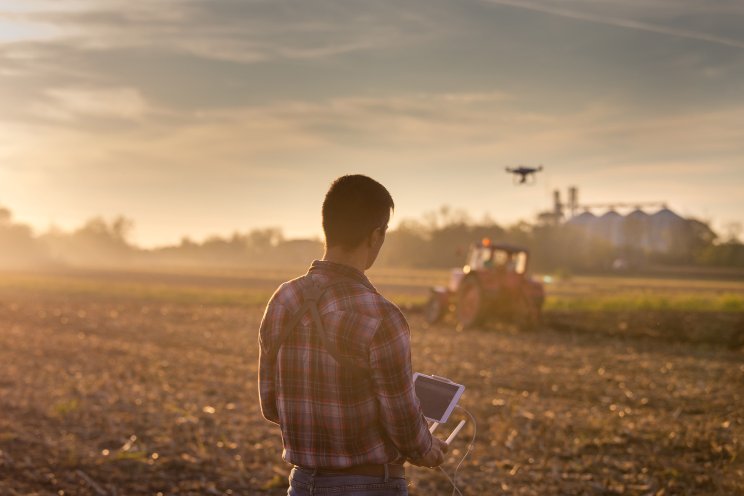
x=304, y=483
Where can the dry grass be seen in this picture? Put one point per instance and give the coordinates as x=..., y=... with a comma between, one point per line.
x=150, y=387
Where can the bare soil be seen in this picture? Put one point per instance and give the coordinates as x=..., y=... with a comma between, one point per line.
x=106, y=394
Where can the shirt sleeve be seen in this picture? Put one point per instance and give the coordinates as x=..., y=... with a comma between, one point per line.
x=267, y=370
x=392, y=380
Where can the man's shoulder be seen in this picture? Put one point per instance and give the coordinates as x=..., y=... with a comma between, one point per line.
x=388, y=308
x=281, y=306
x=372, y=304
x=342, y=295
x=357, y=297
x=288, y=293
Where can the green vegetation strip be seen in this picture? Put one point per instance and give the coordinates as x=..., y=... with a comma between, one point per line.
x=164, y=293
x=71, y=286
x=691, y=302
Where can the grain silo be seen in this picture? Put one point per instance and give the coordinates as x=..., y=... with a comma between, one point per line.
x=663, y=226
x=637, y=230
x=610, y=227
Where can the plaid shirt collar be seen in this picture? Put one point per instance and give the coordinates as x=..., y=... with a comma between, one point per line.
x=325, y=266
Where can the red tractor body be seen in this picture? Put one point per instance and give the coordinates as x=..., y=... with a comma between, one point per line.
x=493, y=284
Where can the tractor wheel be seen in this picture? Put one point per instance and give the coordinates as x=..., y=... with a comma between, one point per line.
x=470, y=303
x=434, y=309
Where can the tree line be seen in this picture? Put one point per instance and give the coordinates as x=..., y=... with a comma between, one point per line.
x=439, y=239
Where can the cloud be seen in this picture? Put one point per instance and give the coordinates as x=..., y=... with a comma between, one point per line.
x=419, y=130
x=601, y=18
x=144, y=63
x=205, y=54
x=12, y=30
x=239, y=31
x=69, y=104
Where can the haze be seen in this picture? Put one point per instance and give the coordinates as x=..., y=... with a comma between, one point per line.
x=202, y=117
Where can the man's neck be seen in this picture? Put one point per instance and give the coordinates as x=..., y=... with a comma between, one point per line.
x=356, y=258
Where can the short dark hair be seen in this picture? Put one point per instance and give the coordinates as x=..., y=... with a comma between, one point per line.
x=354, y=206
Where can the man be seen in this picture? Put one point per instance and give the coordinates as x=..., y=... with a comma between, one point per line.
x=335, y=361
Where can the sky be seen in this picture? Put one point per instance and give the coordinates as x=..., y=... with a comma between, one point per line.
x=203, y=117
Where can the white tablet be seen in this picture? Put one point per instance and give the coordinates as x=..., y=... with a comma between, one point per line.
x=437, y=395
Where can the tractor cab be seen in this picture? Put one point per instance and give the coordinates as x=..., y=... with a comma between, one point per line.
x=493, y=263
x=500, y=258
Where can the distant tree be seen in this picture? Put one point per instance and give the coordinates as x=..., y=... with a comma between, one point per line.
x=186, y=242
x=406, y=246
x=261, y=240
x=688, y=242
x=733, y=232
x=5, y=216
x=96, y=243
x=18, y=246
x=567, y=247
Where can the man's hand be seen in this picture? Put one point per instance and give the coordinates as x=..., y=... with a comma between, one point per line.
x=435, y=456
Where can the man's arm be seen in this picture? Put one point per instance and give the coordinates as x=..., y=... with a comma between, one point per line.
x=392, y=379
x=267, y=371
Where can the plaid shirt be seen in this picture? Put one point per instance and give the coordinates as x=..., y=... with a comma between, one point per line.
x=329, y=416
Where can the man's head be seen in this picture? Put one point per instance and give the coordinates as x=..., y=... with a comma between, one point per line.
x=356, y=211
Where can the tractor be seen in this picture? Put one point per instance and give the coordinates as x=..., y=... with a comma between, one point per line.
x=492, y=285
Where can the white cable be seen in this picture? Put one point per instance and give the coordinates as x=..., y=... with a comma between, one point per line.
x=454, y=487
x=453, y=480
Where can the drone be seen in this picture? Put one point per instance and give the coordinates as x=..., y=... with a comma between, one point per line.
x=523, y=174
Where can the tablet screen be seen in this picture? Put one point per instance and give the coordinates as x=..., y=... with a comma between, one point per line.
x=437, y=397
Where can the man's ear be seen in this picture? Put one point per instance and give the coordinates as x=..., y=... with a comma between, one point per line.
x=372, y=238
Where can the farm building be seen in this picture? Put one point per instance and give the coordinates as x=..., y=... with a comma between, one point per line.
x=655, y=232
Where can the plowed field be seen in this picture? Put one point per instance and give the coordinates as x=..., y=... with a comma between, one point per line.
x=140, y=391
